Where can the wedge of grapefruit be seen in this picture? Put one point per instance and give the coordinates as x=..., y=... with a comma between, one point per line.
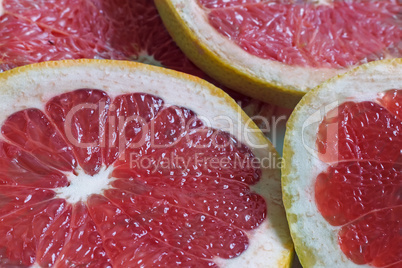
x=277, y=50
x=342, y=173
x=122, y=164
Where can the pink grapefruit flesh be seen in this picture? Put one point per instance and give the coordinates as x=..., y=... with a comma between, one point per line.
x=361, y=189
x=73, y=29
x=319, y=34
x=181, y=215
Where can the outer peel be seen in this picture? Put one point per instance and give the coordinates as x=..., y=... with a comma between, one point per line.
x=30, y=86
x=178, y=17
x=315, y=240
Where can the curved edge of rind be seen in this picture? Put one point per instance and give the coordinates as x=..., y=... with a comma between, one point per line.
x=306, y=255
x=220, y=70
x=215, y=91
x=288, y=251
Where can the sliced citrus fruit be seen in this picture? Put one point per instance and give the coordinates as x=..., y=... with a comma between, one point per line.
x=277, y=50
x=342, y=173
x=132, y=30
x=121, y=164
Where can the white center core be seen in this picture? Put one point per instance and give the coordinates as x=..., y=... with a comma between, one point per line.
x=83, y=185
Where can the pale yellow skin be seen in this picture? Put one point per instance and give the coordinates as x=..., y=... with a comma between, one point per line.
x=298, y=170
x=32, y=85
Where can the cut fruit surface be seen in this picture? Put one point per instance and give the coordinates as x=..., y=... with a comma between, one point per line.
x=132, y=30
x=278, y=50
x=73, y=29
x=123, y=164
x=342, y=177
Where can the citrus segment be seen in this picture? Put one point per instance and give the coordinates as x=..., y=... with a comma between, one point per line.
x=80, y=116
x=130, y=189
x=357, y=131
x=32, y=131
x=22, y=231
x=345, y=191
x=374, y=239
x=54, y=239
x=137, y=109
x=353, y=182
x=15, y=198
x=83, y=245
x=17, y=167
x=129, y=244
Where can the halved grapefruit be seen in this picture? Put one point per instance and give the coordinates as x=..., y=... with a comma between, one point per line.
x=277, y=50
x=122, y=164
x=342, y=173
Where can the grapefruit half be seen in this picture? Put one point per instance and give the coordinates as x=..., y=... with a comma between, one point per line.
x=122, y=164
x=342, y=173
x=277, y=50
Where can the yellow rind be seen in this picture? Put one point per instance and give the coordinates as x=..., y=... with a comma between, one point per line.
x=288, y=252
x=306, y=255
x=219, y=69
x=213, y=90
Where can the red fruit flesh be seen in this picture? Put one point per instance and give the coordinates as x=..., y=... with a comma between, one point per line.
x=101, y=29
x=86, y=110
x=22, y=232
x=392, y=102
x=356, y=131
x=374, y=238
x=32, y=130
x=304, y=33
x=361, y=189
x=186, y=212
x=89, y=251
x=73, y=29
x=18, y=167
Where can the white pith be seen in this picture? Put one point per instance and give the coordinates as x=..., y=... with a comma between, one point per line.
x=1, y=8
x=362, y=84
x=83, y=185
x=144, y=57
x=301, y=78
x=270, y=244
